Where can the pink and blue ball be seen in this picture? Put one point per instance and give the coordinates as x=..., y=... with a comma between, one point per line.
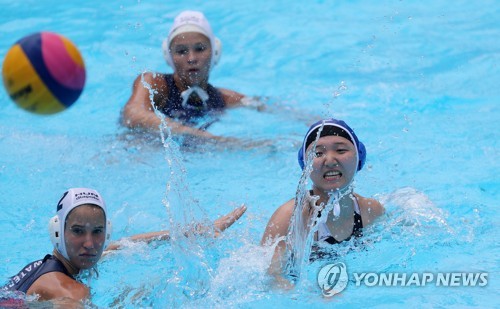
x=44, y=73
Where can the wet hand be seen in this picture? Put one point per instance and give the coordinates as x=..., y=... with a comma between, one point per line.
x=226, y=221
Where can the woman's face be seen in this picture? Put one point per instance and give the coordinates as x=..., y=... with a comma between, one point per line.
x=85, y=234
x=191, y=54
x=334, y=164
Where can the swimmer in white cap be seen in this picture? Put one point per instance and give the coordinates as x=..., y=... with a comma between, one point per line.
x=80, y=231
x=184, y=97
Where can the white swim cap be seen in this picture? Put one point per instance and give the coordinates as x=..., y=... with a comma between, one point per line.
x=70, y=200
x=192, y=21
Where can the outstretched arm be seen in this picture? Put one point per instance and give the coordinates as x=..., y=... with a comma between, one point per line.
x=220, y=225
x=226, y=221
x=234, y=99
x=231, y=98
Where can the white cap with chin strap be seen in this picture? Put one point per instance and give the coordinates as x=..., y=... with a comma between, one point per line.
x=192, y=21
x=70, y=200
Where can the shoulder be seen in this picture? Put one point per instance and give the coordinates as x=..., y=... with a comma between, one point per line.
x=279, y=222
x=156, y=80
x=231, y=98
x=370, y=209
x=58, y=285
x=285, y=211
x=140, y=91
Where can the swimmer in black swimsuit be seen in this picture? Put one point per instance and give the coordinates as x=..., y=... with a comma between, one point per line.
x=185, y=96
x=80, y=232
x=188, y=111
x=333, y=154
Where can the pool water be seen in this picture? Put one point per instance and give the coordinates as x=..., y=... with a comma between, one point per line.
x=418, y=81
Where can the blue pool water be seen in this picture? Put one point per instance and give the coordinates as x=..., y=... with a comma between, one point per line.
x=417, y=80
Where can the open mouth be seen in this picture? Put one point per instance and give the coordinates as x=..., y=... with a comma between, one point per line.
x=332, y=175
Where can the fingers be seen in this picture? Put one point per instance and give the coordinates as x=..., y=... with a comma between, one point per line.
x=226, y=221
x=237, y=213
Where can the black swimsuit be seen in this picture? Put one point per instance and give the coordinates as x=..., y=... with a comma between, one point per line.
x=356, y=230
x=325, y=235
x=34, y=270
x=319, y=251
x=192, y=111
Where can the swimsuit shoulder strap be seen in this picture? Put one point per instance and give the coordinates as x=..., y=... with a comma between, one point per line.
x=358, y=221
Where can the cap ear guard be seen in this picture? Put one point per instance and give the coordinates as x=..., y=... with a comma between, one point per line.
x=109, y=230
x=55, y=235
x=361, y=155
x=166, y=53
x=217, y=51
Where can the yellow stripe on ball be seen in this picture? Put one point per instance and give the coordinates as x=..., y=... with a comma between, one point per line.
x=25, y=86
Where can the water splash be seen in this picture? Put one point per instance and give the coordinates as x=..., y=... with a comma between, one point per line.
x=240, y=278
x=185, y=219
x=340, y=90
x=414, y=209
x=412, y=225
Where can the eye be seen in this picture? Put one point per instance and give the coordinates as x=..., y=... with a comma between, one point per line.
x=77, y=231
x=319, y=151
x=181, y=50
x=98, y=231
x=200, y=47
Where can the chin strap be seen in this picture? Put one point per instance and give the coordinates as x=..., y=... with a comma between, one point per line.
x=335, y=197
x=335, y=200
x=202, y=94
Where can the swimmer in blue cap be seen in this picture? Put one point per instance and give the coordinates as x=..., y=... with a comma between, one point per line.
x=80, y=232
x=184, y=97
x=331, y=154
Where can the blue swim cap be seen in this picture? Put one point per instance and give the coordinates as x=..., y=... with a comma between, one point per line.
x=332, y=127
